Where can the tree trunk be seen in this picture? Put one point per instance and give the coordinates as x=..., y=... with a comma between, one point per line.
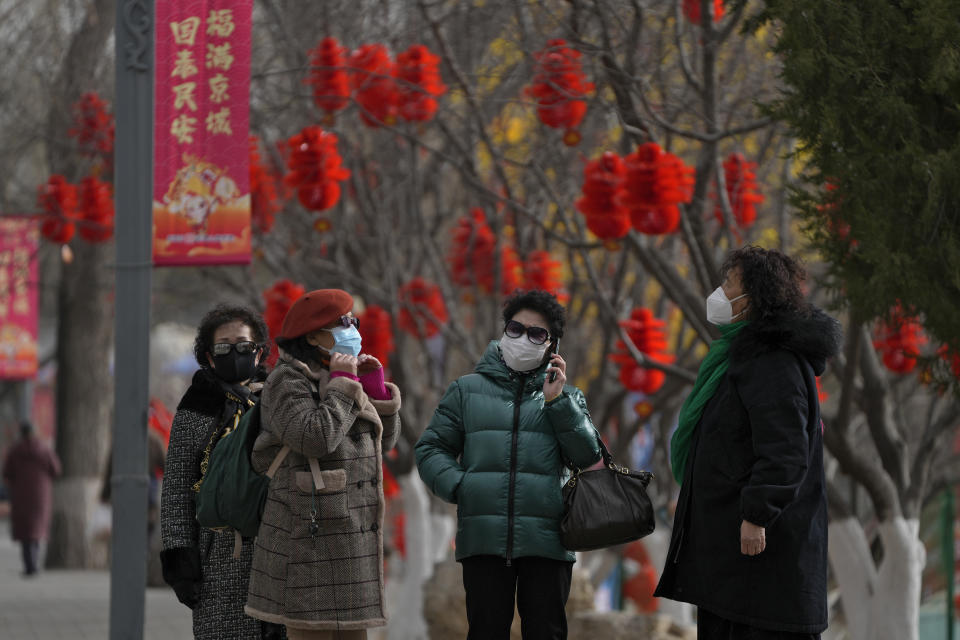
x=84, y=401
x=884, y=603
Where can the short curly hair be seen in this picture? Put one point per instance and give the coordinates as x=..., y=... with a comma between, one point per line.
x=771, y=278
x=221, y=315
x=543, y=302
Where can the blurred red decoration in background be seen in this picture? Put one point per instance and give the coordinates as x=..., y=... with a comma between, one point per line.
x=822, y=395
x=314, y=168
x=657, y=181
x=559, y=86
x=899, y=341
x=952, y=358
x=96, y=210
x=264, y=201
x=640, y=587
x=428, y=311
x=691, y=9
x=278, y=299
x=648, y=336
x=58, y=200
x=542, y=271
x=374, y=85
x=93, y=126
x=471, y=256
x=742, y=190
x=160, y=420
x=419, y=83
x=376, y=332
x=603, y=185
x=328, y=77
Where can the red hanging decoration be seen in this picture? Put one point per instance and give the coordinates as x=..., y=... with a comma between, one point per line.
x=375, y=88
x=96, y=210
x=742, y=190
x=314, y=168
x=422, y=310
x=376, y=330
x=648, y=336
x=559, y=86
x=691, y=9
x=264, y=201
x=58, y=199
x=898, y=341
x=640, y=587
x=541, y=271
x=471, y=256
x=329, y=77
x=93, y=126
x=952, y=358
x=419, y=83
x=279, y=299
x=657, y=181
x=603, y=185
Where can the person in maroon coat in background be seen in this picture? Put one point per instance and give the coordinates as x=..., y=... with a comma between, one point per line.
x=28, y=473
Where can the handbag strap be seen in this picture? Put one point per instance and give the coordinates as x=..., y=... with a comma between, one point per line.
x=607, y=459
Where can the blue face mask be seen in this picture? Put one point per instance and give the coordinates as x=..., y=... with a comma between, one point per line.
x=346, y=340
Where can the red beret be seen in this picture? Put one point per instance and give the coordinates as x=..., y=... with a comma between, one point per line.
x=315, y=310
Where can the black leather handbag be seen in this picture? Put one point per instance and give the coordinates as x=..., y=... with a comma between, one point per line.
x=606, y=506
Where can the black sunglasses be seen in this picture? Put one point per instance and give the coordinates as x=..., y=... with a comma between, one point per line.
x=536, y=335
x=223, y=348
x=346, y=321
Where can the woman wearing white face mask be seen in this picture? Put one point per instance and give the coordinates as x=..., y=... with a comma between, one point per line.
x=749, y=539
x=496, y=447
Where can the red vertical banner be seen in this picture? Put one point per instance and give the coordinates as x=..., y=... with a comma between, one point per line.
x=201, y=175
x=19, y=238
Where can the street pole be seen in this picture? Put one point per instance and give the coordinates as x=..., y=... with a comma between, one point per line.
x=133, y=180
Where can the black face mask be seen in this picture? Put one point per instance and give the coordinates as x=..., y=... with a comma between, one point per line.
x=235, y=367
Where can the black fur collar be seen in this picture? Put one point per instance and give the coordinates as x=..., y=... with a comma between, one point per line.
x=813, y=335
x=206, y=393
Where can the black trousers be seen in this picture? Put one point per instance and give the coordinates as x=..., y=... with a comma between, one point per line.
x=540, y=587
x=30, y=551
x=712, y=627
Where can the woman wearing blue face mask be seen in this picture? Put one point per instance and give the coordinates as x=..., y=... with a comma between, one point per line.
x=749, y=539
x=318, y=562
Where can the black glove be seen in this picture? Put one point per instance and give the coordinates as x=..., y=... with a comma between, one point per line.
x=182, y=571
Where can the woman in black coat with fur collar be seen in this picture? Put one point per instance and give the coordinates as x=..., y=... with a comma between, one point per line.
x=749, y=541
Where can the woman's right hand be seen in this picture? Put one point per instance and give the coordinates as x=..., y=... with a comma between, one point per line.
x=343, y=362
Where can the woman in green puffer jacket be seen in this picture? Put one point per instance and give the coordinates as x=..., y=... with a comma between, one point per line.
x=497, y=447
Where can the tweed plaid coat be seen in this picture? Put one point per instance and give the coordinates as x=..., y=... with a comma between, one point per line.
x=329, y=576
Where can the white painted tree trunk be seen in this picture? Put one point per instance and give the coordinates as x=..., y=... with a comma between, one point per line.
x=879, y=603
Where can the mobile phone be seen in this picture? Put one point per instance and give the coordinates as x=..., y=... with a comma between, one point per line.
x=556, y=349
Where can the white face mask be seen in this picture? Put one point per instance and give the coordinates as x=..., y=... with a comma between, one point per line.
x=522, y=355
x=720, y=309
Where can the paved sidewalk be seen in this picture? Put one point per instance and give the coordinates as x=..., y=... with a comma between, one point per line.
x=73, y=604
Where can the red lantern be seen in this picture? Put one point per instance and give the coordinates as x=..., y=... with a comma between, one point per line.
x=314, y=168
x=657, y=181
x=329, y=78
x=58, y=199
x=376, y=330
x=419, y=83
x=375, y=87
x=603, y=185
x=278, y=299
x=559, y=86
x=648, y=336
x=898, y=342
x=93, y=126
x=952, y=358
x=96, y=210
x=741, y=190
x=264, y=202
x=422, y=310
x=541, y=271
x=691, y=9
x=471, y=256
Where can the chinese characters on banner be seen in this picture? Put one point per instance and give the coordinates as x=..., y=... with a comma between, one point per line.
x=201, y=175
x=19, y=238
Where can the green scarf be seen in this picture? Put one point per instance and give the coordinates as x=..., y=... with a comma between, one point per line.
x=708, y=378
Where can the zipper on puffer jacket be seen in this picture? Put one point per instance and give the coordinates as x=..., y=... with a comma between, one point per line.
x=513, y=469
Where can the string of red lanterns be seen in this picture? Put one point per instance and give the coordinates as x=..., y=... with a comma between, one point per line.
x=96, y=210
x=559, y=88
x=58, y=200
x=542, y=271
x=93, y=126
x=264, y=200
x=472, y=253
x=649, y=337
x=278, y=299
x=376, y=330
x=898, y=341
x=329, y=78
x=691, y=9
x=374, y=87
x=742, y=190
x=419, y=83
x=422, y=310
x=657, y=181
x=315, y=168
x=603, y=185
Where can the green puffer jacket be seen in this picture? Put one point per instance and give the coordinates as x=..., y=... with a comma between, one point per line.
x=496, y=450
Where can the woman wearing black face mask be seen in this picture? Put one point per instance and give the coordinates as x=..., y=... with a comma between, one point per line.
x=199, y=563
